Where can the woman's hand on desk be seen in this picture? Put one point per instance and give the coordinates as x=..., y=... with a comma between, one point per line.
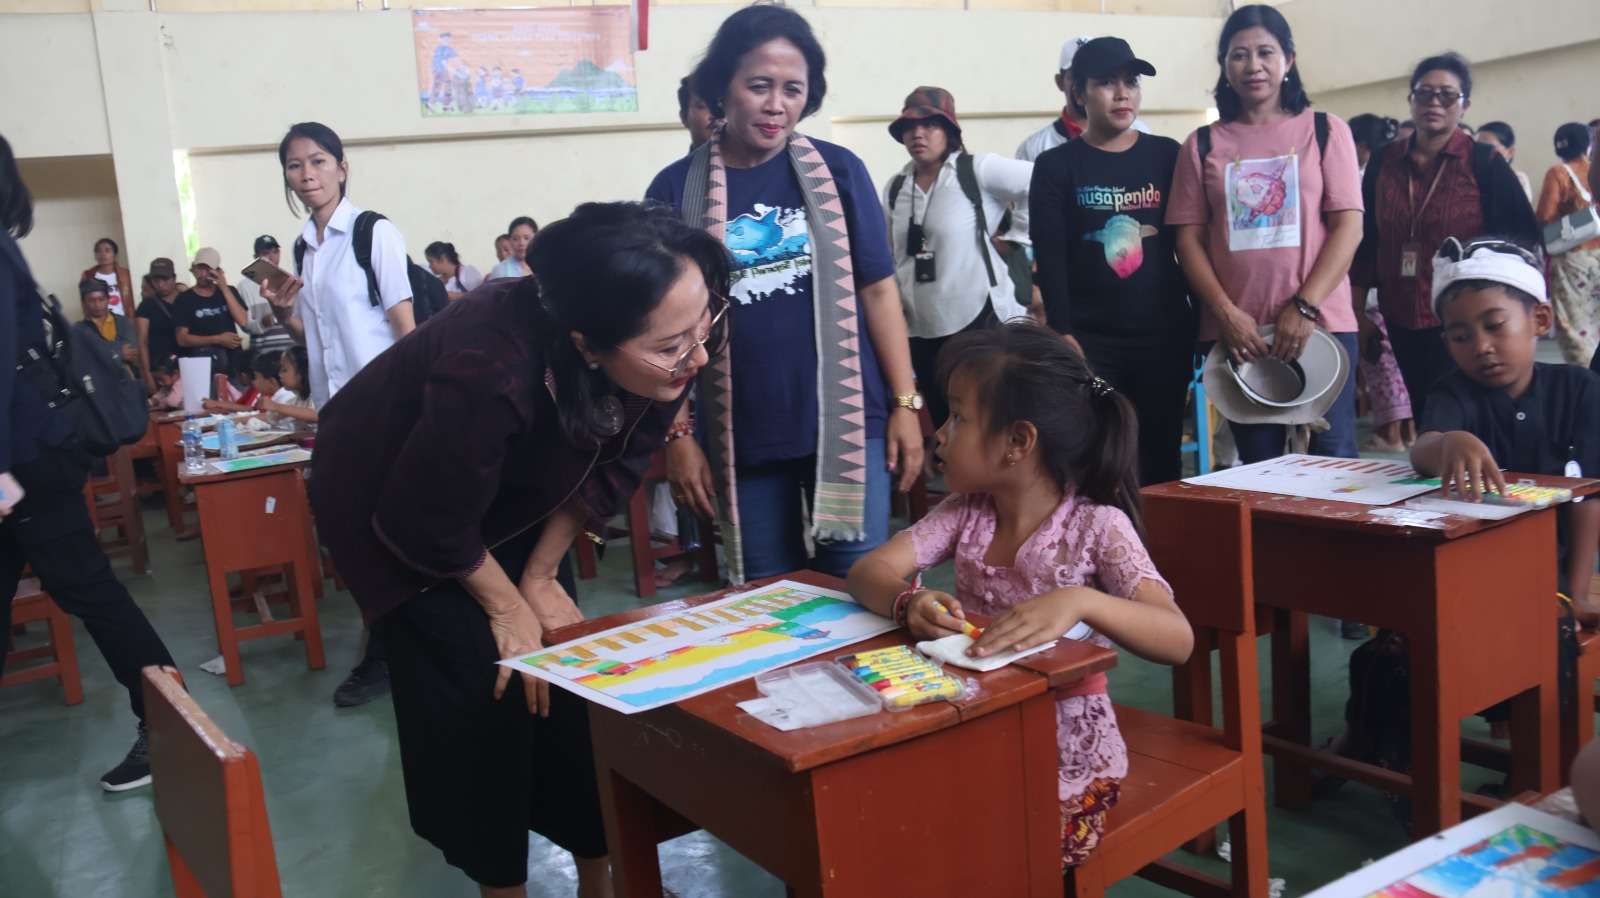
x=517, y=632
x=549, y=601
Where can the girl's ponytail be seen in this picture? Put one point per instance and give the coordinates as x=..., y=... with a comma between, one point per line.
x=1110, y=475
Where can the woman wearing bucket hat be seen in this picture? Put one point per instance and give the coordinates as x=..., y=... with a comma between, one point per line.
x=1107, y=267
x=813, y=410
x=943, y=208
x=1267, y=203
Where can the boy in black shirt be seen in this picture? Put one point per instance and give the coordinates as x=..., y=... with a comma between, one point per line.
x=1501, y=408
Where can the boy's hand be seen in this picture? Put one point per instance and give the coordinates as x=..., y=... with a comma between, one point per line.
x=1468, y=464
x=1039, y=620
x=925, y=620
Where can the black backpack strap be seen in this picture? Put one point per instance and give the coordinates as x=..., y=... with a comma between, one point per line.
x=898, y=182
x=361, y=241
x=1202, y=143
x=967, y=176
x=1319, y=125
x=299, y=254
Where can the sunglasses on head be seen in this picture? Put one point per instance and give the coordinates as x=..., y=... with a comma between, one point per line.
x=1454, y=250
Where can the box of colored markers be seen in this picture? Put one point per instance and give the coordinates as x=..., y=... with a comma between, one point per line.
x=903, y=678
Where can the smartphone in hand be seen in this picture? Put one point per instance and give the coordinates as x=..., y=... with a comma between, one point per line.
x=266, y=274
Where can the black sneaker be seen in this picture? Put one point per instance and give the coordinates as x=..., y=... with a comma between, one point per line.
x=369, y=680
x=134, y=771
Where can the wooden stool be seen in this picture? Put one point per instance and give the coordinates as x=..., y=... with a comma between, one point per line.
x=1185, y=778
x=34, y=604
x=208, y=797
x=645, y=553
x=114, y=503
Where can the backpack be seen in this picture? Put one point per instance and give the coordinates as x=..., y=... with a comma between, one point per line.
x=1319, y=126
x=967, y=177
x=103, y=403
x=427, y=291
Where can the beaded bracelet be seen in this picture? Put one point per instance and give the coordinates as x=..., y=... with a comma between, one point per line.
x=681, y=429
x=1307, y=310
x=902, y=605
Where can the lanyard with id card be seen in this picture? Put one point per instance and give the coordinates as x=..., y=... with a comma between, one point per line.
x=1411, y=250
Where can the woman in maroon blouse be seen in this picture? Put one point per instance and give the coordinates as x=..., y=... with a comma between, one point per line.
x=451, y=476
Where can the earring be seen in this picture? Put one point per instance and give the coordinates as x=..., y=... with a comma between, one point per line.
x=606, y=414
x=594, y=366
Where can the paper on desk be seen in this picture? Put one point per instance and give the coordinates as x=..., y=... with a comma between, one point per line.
x=250, y=462
x=1483, y=511
x=953, y=650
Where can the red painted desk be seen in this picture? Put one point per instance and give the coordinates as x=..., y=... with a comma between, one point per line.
x=864, y=807
x=1475, y=599
x=251, y=520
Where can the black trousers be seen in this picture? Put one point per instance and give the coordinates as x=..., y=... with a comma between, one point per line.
x=479, y=773
x=925, y=364
x=50, y=530
x=1423, y=360
x=1153, y=373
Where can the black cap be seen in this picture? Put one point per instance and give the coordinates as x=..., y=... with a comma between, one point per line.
x=92, y=285
x=1106, y=56
x=266, y=243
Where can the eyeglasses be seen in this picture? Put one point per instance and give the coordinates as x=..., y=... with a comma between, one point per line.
x=1426, y=96
x=1454, y=250
x=714, y=339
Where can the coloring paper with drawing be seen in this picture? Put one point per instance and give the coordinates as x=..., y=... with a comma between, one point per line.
x=1263, y=203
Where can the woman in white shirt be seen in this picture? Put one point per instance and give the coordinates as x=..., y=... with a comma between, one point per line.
x=458, y=279
x=329, y=308
x=522, y=231
x=951, y=277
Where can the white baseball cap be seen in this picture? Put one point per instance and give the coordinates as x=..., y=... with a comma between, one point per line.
x=1070, y=49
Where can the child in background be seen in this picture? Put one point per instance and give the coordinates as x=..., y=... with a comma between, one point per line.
x=292, y=401
x=169, y=386
x=1043, y=521
x=1501, y=408
x=263, y=383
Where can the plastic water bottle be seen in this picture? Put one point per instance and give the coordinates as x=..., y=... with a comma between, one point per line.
x=194, y=456
x=227, y=439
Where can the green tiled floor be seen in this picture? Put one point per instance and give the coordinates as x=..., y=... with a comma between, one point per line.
x=333, y=777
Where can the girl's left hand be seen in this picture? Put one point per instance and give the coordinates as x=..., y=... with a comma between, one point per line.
x=1040, y=620
x=549, y=601
x=1292, y=334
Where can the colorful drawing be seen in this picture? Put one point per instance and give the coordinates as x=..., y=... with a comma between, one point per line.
x=672, y=657
x=520, y=61
x=1263, y=203
x=1123, y=239
x=1358, y=480
x=1517, y=862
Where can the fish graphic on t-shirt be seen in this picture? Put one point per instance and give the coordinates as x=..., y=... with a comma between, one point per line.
x=1123, y=240
x=754, y=240
x=1261, y=193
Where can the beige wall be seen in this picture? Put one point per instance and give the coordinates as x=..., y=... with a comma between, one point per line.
x=74, y=204
x=1535, y=94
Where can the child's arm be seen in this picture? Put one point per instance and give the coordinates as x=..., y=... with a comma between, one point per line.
x=1150, y=625
x=297, y=412
x=1458, y=457
x=884, y=573
x=217, y=405
x=1583, y=540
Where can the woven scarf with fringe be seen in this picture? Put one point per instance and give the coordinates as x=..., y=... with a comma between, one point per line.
x=838, y=508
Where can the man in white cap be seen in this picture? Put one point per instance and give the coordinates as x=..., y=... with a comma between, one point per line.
x=1068, y=126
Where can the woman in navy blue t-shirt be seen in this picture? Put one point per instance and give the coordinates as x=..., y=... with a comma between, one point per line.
x=814, y=406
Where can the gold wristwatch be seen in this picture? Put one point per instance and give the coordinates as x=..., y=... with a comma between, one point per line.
x=911, y=401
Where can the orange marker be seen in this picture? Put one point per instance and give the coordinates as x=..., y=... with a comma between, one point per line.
x=966, y=625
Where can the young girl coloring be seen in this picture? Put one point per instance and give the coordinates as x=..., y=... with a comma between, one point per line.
x=1043, y=523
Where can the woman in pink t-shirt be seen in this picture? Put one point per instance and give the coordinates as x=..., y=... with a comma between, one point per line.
x=1269, y=218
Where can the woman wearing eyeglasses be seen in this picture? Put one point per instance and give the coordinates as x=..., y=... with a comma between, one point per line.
x=1417, y=192
x=451, y=476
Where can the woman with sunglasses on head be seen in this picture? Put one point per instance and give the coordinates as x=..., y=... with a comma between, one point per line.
x=1417, y=192
x=452, y=475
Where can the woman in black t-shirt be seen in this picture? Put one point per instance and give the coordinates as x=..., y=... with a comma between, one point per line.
x=1107, y=266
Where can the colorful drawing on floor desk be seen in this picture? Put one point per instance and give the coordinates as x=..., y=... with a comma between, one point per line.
x=1363, y=481
x=1511, y=852
x=250, y=462
x=1517, y=861
x=667, y=659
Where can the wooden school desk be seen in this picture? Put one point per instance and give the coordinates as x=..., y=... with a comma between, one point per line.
x=256, y=519
x=946, y=799
x=1476, y=601
x=169, y=446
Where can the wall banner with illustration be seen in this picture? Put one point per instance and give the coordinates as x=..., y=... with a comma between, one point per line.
x=521, y=61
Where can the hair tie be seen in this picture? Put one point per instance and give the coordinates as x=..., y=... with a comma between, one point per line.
x=1099, y=387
